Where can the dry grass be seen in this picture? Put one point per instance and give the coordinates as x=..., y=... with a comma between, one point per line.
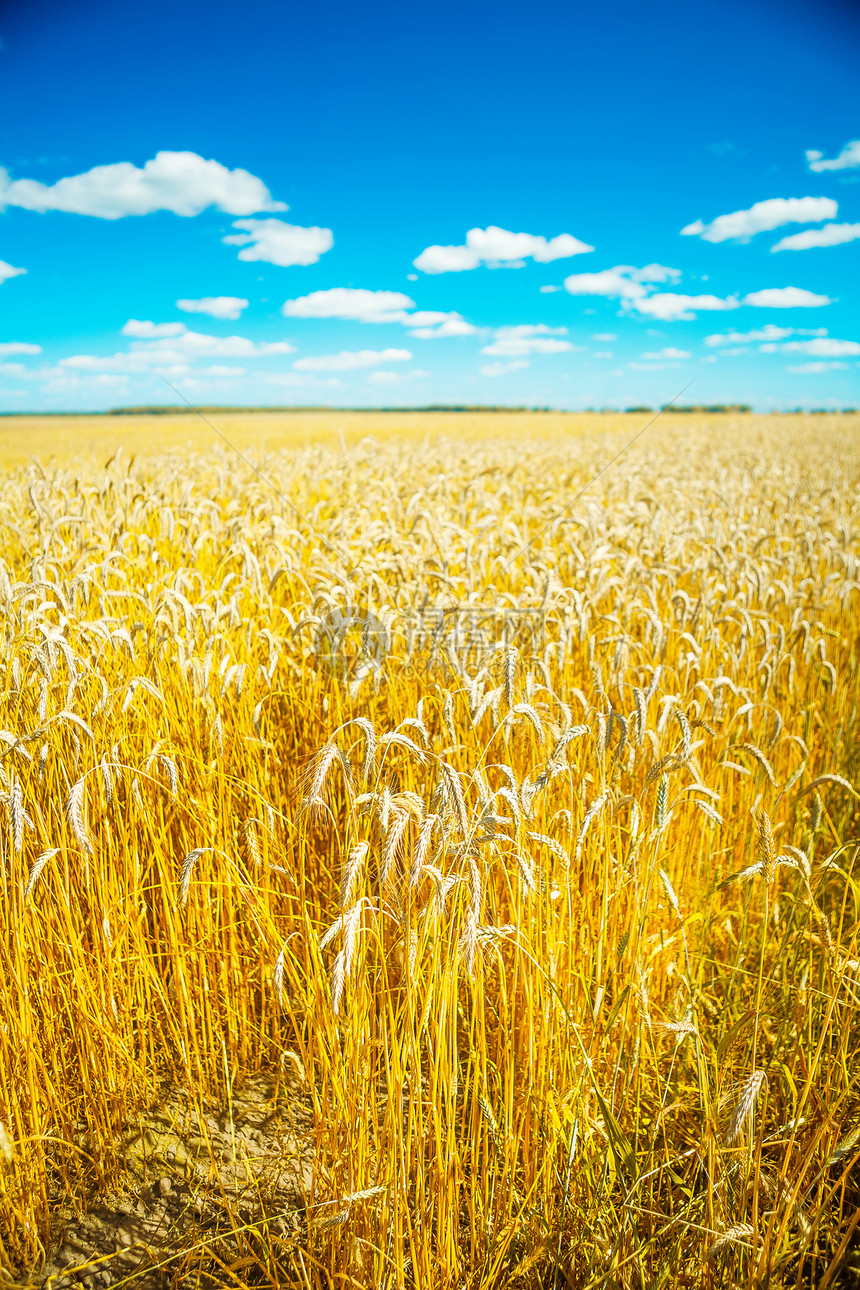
x=529, y=877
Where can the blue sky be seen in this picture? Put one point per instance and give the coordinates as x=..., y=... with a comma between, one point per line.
x=558, y=204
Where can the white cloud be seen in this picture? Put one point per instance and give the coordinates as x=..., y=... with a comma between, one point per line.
x=669, y=353
x=785, y=298
x=446, y=259
x=182, y=182
x=847, y=159
x=768, y=332
x=605, y=336
x=670, y=306
x=624, y=281
x=195, y=343
x=602, y=353
x=355, y=303
x=502, y=369
x=497, y=248
x=633, y=287
x=348, y=360
x=496, y=245
x=19, y=347
x=537, y=345
x=531, y=329
x=149, y=330
x=608, y=282
x=829, y=235
x=394, y=378
x=278, y=243
x=547, y=290
x=430, y=317
x=740, y=226
x=815, y=368
x=826, y=348
x=528, y=338
x=452, y=324
x=51, y=378
x=9, y=270
x=124, y=362
x=216, y=306
x=652, y=273
x=171, y=351
x=297, y=378
x=14, y=368
x=360, y=305
x=218, y=369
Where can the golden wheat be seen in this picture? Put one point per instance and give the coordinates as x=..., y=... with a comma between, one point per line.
x=427, y=796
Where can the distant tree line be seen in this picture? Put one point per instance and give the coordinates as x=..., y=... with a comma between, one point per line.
x=705, y=407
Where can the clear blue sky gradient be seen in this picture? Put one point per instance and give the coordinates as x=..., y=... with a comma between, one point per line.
x=401, y=126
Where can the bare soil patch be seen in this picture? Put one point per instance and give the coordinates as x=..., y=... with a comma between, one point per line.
x=227, y=1176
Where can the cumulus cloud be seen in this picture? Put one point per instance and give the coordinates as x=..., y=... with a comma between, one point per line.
x=181, y=182
x=278, y=243
x=823, y=348
x=605, y=336
x=670, y=306
x=354, y=303
x=297, y=378
x=785, y=298
x=18, y=347
x=348, y=360
x=143, y=329
x=216, y=306
x=635, y=289
x=395, y=378
x=502, y=369
x=9, y=270
x=829, y=235
x=769, y=332
x=361, y=305
x=527, y=338
x=531, y=329
x=446, y=259
x=815, y=368
x=740, y=226
x=847, y=159
x=497, y=248
x=194, y=343
x=124, y=362
x=430, y=318
x=449, y=325
x=669, y=352
x=523, y=345
x=163, y=350
x=624, y=281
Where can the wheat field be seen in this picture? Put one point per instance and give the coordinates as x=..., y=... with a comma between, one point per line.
x=420, y=872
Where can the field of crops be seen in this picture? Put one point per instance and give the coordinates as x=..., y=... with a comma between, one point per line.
x=419, y=872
